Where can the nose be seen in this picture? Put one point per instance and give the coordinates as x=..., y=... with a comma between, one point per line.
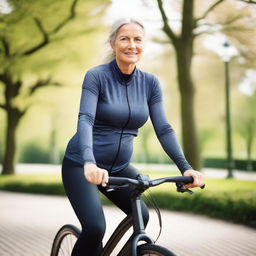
x=132, y=44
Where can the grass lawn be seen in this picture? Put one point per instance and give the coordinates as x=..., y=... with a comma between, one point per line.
x=229, y=199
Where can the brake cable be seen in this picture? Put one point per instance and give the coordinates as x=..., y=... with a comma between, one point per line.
x=152, y=201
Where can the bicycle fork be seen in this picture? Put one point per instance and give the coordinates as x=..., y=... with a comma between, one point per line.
x=136, y=220
x=139, y=234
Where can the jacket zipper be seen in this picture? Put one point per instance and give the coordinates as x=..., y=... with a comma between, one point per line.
x=122, y=131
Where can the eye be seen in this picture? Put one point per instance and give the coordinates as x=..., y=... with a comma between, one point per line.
x=139, y=40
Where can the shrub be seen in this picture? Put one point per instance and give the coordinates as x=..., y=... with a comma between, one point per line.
x=239, y=164
x=33, y=153
x=241, y=211
x=231, y=200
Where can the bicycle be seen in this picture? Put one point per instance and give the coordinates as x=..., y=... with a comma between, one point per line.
x=67, y=235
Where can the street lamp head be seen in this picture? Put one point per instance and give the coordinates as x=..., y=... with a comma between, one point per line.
x=226, y=44
x=228, y=51
x=219, y=44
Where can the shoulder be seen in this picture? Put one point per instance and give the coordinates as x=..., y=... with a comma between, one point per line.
x=150, y=79
x=153, y=85
x=95, y=74
x=99, y=70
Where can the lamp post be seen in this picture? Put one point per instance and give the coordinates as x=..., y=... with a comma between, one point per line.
x=226, y=51
x=227, y=54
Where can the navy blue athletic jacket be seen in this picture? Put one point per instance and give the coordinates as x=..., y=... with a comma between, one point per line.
x=112, y=109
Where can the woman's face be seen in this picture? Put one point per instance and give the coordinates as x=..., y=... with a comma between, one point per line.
x=128, y=45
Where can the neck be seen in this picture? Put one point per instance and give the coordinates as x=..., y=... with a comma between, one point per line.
x=125, y=68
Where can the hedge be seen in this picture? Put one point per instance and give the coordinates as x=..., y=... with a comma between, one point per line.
x=217, y=205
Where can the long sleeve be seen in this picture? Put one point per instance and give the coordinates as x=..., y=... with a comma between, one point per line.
x=88, y=106
x=163, y=129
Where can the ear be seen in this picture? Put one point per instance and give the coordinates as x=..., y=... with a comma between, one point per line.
x=112, y=44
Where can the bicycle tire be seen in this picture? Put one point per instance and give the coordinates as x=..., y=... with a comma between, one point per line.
x=64, y=240
x=153, y=250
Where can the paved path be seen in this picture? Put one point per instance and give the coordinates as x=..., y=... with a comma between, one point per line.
x=28, y=224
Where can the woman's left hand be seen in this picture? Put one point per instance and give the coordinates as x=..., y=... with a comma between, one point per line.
x=198, y=178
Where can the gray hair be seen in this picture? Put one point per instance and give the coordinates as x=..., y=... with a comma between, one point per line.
x=113, y=32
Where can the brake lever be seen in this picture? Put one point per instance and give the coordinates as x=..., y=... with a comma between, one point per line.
x=202, y=187
x=111, y=188
x=181, y=188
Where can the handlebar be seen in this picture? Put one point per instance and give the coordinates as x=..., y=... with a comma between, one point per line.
x=119, y=181
x=144, y=182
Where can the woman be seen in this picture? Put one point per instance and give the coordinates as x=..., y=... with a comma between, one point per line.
x=116, y=100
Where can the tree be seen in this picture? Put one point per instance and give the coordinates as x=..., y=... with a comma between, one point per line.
x=34, y=32
x=245, y=117
x=246, y=127
x=183, y=44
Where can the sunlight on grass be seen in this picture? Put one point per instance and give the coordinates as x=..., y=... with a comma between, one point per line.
x=229, y=199
x=231, y=188
x=30, y=178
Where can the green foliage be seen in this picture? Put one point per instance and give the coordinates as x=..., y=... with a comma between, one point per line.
x=35, y=188
x=231, y=200
x=245, y=125
x=39, y=184
x=205, y=136
x=75, y=48
x=1, y=155
x=35, y=39
x=32, y=22
x=221, y=163
x=33, y=153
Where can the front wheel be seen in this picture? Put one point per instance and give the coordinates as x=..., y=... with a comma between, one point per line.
x=153, y=250
x=64, y=240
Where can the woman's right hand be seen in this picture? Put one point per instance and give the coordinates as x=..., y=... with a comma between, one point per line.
x=95, y=175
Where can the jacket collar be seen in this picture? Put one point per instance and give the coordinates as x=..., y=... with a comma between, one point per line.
x=119, y=75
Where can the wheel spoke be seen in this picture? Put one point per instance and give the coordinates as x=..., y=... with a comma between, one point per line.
x=65, y=241
x=67, y=244
x=153, y=250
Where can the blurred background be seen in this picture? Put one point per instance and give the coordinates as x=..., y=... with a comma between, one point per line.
x=204, y=54
x=47, y=46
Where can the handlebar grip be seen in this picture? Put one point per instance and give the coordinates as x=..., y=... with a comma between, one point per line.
x=114, y=181
x=121, y=181
x=190, y=180
x=187, y=179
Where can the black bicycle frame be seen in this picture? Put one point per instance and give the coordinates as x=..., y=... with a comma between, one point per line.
x=136, y=220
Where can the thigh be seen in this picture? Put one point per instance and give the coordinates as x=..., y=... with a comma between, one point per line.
x=83, y=196
x=121, y=196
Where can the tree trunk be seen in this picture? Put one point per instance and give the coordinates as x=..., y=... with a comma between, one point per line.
x=54, y=156
x=249, y=144
x=187, y=92
x=13, y=118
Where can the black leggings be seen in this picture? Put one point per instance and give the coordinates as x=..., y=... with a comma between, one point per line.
x=85, y=200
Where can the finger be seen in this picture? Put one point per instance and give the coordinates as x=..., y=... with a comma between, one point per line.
x=196, y=181
x=105, y=178
x=100, y=176
x=201, y=180
x=88, y=176
x=191, y=185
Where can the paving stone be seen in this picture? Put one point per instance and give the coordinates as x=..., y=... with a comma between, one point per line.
x=28, y=224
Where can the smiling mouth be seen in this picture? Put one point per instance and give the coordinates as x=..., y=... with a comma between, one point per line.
x=130, y=53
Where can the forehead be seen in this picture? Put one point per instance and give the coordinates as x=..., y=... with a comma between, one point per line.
x=131, y=29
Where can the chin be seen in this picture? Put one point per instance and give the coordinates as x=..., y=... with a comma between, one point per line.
x=131, y=61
